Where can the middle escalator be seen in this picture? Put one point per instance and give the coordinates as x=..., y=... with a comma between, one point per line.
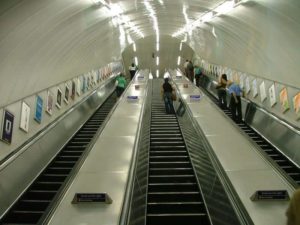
x=174, y=196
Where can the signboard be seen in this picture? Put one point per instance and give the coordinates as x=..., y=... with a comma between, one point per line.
x=296, y=103
x=91, y=197
x=194, y=97
x=49, y=106
x=25, y=115
x=7, y=126
x=58, y=98
x=262, y=91
x=267, y=195
x=284, y=101
x=38, y=109
x=248, y=88
x=132, y=98
x=272, y=95
x=254, y=88
x=67, y=94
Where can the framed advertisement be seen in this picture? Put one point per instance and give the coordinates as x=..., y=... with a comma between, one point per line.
x=248, y=88
x=83, y=88
x=38, y=109
x=73, y=90
x=296, y=103
x=78, y=89
x=254, y=88
x=25, y=115
x=242, y=77
x=272, y=95
x=67, y=94
x=58, y=98
x=50, y=101
x=284, y=101
x=262, y=91
x=7, y=127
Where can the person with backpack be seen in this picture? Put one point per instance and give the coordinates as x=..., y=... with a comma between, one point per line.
x=235, y=101
x=166, y=91
x=132, y=70
x=222, y=94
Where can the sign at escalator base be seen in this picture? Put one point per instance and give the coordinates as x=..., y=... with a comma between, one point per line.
x=91, y=197
x=273, y=195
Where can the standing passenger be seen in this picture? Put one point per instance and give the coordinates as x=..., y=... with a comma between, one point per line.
x=185, y=65
x=167, y=96
x=235, y=101
x=198, y=73
x=132, y=70
x=221, y=87
x=191, y=71
x=121, y=84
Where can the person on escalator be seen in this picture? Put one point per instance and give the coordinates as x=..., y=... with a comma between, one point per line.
x=235, y=101
x=293, y=212
x=121, y=84
x=166, y=91
x=222, y=94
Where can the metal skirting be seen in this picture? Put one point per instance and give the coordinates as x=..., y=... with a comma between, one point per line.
x=220, y=207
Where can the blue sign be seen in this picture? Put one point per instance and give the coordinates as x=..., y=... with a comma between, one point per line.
x=132, y=97
x=194, y=97
x=38, y=109
x=7, y=127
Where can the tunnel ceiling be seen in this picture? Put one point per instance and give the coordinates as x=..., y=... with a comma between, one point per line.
x=44, y=42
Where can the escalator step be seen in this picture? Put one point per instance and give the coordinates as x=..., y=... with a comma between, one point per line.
x=178, y=219
x=174, y=196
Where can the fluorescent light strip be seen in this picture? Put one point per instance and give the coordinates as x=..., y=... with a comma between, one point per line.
x=225, y=7
x=157, y=60
x=178, y=60
x=157, y=46
x=136, y=61
x=134, y=47
x=180, y=46
x=157, y=73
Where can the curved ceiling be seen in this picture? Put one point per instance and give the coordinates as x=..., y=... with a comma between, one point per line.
x=44, y=42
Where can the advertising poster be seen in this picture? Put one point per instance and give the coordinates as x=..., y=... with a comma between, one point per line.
x=254, y=88
x=296, y=103
x=49, y=106
x=58, y=98
x=83, y=88
x=25, y=115
x=262, y=91
x=98, y=76
x=73, y=90
x=67, y=94
x=78, y=89
x=272, y=95
x=7, y=126
x=284, y=101
x=247, y=85
x=38, y=109
x=242, y=77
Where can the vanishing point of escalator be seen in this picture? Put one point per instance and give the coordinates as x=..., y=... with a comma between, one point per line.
x=35, y=203
x=173, y=193
x=282, y=161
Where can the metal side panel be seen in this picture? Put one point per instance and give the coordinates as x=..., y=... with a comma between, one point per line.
x=284, y=138
x=247, y=170
x=18, y=174
x=106, y=168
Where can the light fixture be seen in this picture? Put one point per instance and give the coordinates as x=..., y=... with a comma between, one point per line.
x=157, y=73
x=207, y=17
x=224, y=7
x=157, y=46
x=136, y=61
x=134, y=47
x=178, y=60
x=157, y=60
x=180, y=46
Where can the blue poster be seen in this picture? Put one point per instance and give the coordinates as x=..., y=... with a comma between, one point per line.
x=7, y=129
x=38, y=109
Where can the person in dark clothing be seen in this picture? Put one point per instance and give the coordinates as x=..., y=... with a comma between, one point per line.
x=167, y=96
x=198, y=74
x=190, y=67
x=222, y=94
x=132, y=70
x=235, y=101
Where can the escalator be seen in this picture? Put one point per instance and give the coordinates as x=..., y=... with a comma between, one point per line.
x=34, y=205
x=173, y=196
x=281, y=160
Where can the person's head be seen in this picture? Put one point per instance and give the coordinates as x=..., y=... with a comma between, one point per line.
x=121, y=74
x=224, y=76
x=166, y=80
x=132, y=64
x=187, y=60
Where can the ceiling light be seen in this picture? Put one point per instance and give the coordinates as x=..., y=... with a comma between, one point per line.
x=224, y=7
x=207, y=17
x=178, y=61
x=134, y=47
x=157, y=60
x=136, y=61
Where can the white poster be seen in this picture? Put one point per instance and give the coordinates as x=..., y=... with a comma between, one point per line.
x=254, y=88
x=272, y=95
x=25, y=115
x=78, y=87
x=242, y=77
x=262, y=90
x=247, y=85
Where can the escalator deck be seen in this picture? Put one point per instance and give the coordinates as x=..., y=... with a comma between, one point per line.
x=173, y=192
x=281, y=160
x=36, y=201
